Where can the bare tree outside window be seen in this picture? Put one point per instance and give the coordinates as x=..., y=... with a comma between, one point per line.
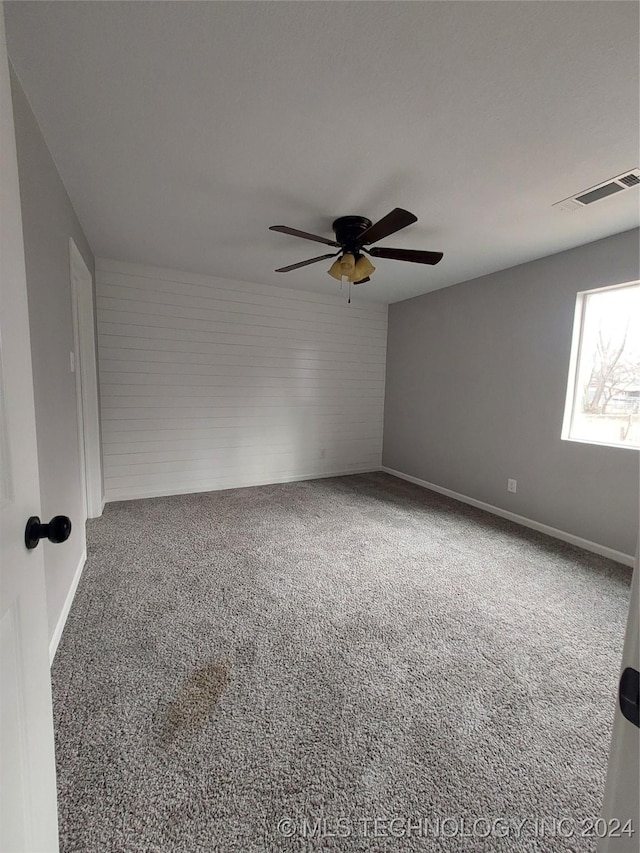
x=603, y=403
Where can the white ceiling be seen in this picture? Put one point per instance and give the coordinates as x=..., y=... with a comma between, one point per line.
x=182, y=130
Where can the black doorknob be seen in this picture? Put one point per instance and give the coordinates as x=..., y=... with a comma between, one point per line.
x=58, y=530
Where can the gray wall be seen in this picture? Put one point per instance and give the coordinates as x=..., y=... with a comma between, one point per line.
x=48, y=221
x=475, y=393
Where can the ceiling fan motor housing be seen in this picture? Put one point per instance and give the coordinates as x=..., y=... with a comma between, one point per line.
x=348, y=230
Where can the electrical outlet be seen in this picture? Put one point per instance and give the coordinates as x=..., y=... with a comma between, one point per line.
x=323, y=453
x=512, y=486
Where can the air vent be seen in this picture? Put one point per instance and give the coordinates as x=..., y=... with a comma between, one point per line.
x=614, y=185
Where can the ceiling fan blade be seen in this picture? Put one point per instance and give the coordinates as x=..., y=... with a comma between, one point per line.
x=389, y=224
x=362, y=281
x=412, y=255
x=284, y=229
x=306, y=263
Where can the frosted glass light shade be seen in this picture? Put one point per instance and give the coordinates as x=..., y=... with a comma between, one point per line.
x=347, y=267
x=362, y=269
x=347, y=264
x=336, y=270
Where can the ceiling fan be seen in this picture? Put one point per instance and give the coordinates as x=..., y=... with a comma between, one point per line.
x=353, y=233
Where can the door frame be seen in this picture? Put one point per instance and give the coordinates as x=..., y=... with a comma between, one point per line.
x=87, y=393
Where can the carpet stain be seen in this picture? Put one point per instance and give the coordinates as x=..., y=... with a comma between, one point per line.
x=197, y=698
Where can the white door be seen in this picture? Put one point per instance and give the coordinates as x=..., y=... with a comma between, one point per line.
x=28, y=811
x=86, y=382
x=619, y=827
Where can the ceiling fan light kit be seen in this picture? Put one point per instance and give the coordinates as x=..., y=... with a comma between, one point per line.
x=353, y=233
x=353, y=269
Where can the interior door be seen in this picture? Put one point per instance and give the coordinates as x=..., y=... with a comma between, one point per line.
x=28, y=812
x=619, y=827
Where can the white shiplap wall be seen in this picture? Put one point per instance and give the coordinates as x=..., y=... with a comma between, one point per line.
x=207, y=383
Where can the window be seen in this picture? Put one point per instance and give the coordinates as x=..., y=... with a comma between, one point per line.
x=603, y=395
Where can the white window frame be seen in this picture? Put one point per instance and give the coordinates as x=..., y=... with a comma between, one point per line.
x=574, y=362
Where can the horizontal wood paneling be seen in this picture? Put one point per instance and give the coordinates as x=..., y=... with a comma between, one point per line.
x=209, y=384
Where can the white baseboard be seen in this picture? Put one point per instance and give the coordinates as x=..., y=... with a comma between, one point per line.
x=55, y=639
x=594, y=547
x=138, y=494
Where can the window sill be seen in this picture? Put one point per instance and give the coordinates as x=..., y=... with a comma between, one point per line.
x=634, y=447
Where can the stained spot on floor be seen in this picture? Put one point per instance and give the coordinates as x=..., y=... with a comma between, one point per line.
x=196, y=700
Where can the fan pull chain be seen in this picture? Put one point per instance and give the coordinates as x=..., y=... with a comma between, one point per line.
x=349, y=302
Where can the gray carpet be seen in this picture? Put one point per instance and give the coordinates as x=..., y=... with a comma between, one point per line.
x=329, y=653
